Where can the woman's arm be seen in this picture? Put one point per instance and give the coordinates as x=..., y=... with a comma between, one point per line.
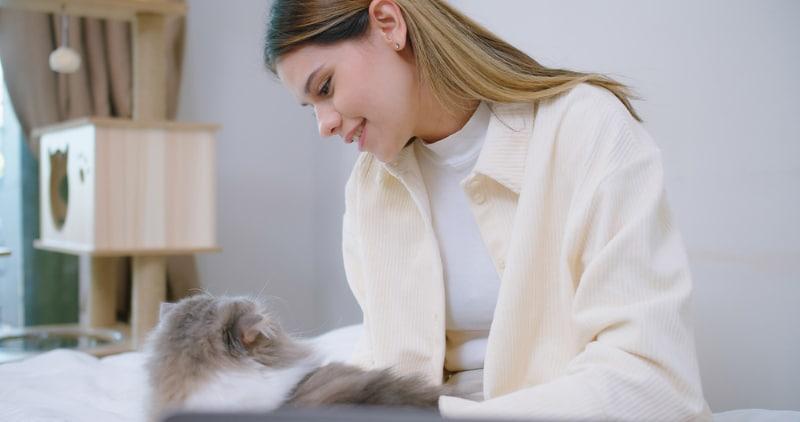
x=631, y=305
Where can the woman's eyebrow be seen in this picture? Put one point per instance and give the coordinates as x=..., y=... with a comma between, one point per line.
x=311, y=78
x=307, y=88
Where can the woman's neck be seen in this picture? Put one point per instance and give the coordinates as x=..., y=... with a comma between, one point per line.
x=436, y=122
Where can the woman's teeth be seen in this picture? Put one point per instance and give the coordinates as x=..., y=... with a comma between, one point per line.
x=357, y=135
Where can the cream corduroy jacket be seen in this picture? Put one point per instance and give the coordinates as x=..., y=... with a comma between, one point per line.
x=592, y=318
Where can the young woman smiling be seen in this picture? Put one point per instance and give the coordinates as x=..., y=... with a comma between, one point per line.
x=506, y=228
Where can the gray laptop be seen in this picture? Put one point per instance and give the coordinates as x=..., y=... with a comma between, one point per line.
x=339, y=414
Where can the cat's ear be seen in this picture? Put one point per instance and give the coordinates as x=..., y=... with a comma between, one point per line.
x=249, y=327
x=164, y=309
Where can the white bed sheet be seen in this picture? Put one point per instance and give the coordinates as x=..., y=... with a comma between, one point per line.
x=65, y=385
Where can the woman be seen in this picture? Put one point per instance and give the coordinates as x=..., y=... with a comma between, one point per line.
x=506, y=228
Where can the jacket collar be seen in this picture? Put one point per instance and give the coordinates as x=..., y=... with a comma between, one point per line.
x=502, y=157
x=406, y=169
x=505, y=150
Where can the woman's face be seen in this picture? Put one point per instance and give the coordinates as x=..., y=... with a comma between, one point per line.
x=365, y=87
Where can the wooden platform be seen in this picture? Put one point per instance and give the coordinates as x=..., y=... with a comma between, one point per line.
x=119, y=335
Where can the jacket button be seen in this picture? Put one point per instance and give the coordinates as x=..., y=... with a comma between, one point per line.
x=501, y=264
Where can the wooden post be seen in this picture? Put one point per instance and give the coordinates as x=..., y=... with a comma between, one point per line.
x=149, y=67
x=149, y=286
x=102, y=295
x=149, y=289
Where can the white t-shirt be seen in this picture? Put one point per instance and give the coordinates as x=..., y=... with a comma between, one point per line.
x=471, y=281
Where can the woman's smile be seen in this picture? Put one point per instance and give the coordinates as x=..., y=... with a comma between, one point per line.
x=357, y=135
x=362, y=137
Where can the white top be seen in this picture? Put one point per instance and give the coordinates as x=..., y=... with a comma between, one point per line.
x=471, y=281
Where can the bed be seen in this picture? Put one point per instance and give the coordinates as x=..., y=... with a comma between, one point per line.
x=66, y=385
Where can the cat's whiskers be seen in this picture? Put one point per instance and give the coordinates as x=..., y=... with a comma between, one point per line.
x=271, y=301
x=262, y=289
x=312, y=332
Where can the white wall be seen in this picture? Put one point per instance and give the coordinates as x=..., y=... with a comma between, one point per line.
x=720, y=84
x=280, y=186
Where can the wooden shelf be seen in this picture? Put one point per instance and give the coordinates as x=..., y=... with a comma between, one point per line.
x=193, y=176
x=136, y=188
x=110, y=122
x=74, y=248
x=106, y=9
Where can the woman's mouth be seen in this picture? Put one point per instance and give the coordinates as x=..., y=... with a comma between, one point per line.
x=359, y=136
x=362, y=137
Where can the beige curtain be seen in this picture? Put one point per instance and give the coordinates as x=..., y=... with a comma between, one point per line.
x=101, y=87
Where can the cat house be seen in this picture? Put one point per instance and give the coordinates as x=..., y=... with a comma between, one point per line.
x=122, y=187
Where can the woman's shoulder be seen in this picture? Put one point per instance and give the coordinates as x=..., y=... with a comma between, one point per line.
x=587, y=103
x=591, y=128
x=595, y=110
x=585, y=108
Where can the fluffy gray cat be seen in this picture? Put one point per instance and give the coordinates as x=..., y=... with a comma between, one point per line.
x=228, y=354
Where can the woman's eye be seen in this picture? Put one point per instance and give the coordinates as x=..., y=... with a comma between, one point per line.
x=325, y=89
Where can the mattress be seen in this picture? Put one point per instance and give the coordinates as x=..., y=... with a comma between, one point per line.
x=65, y=385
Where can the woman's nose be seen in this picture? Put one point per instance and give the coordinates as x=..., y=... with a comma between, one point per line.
x=329, y=122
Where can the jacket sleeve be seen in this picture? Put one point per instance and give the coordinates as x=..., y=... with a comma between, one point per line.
x=631, y=303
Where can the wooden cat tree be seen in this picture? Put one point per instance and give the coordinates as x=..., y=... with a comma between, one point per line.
x=143, y=187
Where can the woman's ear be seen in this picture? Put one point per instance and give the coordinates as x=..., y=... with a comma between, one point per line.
x=386, y=17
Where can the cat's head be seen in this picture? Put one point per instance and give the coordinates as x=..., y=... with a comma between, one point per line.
x=208, y=328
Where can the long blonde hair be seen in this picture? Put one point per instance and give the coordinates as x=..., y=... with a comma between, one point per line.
x=459, y=59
